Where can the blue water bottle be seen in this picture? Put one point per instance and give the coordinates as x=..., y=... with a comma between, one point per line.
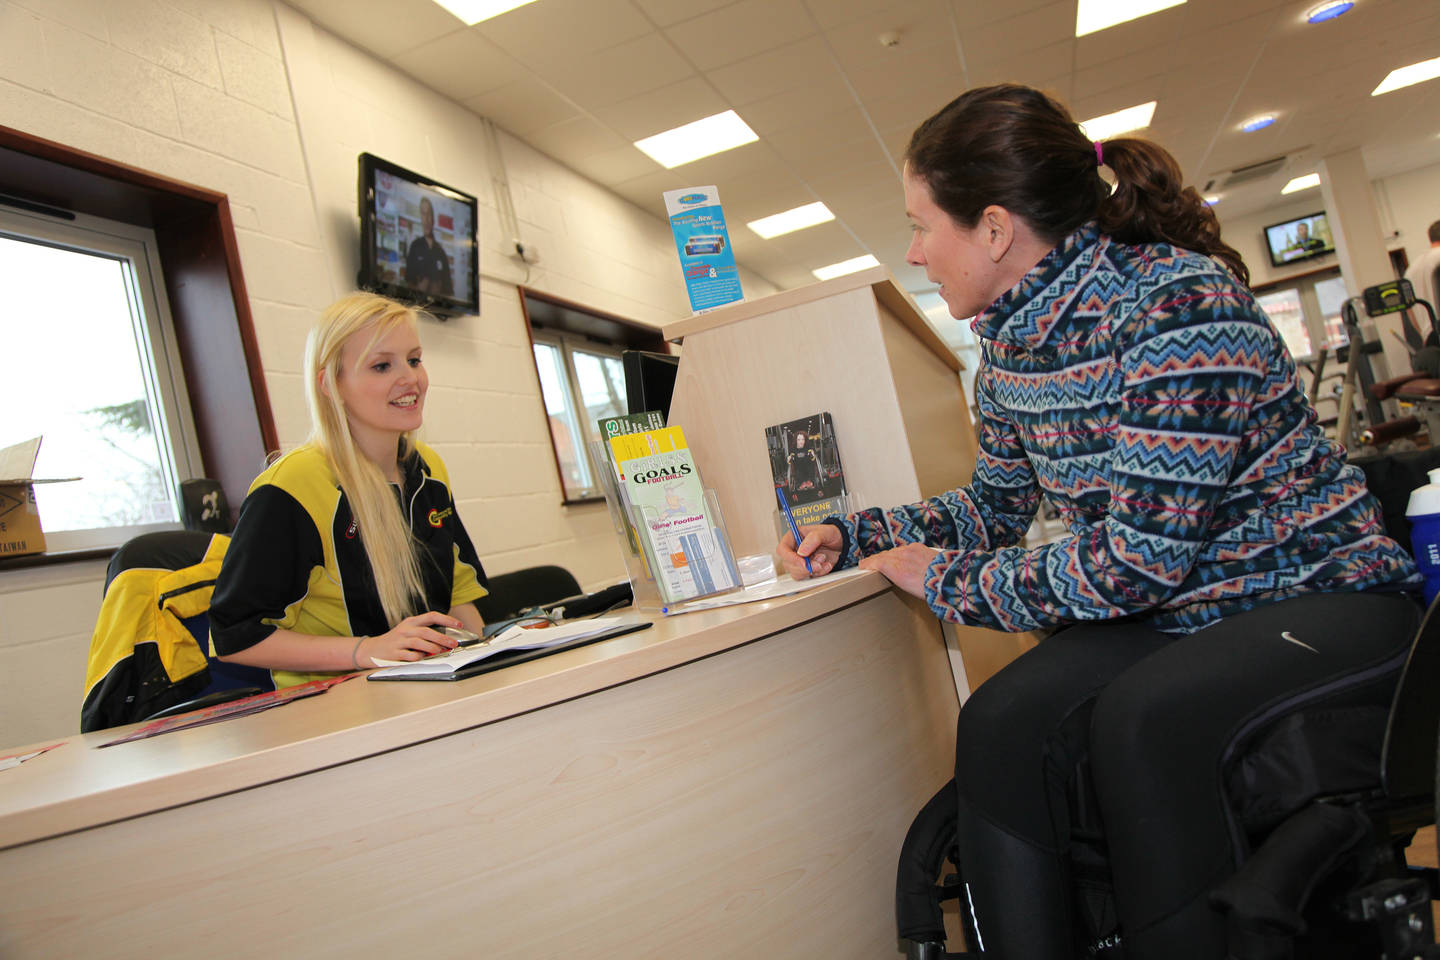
x=1423, y=512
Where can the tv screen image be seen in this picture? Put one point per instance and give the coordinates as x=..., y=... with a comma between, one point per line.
x=1299, y=239
x=418, y=239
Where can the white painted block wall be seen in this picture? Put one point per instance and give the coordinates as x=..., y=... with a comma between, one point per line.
x=249, y=98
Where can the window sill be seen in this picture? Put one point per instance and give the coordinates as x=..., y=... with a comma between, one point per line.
x=50, y=559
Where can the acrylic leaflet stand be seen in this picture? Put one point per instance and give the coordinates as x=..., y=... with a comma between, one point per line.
x=635, y=547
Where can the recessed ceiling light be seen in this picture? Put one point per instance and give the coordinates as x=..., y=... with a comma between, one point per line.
x=1302, y=183
x=845, y=266
x=1093, y=15
x=1121, y=121
x=1212, y=199
x=474, y=11
x=714, y=134
x=1406, y=76
x=1258, y=122
x=791, y=220
x=1329, y=11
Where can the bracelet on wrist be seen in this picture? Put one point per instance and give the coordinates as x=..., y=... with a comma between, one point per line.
x=355, y=651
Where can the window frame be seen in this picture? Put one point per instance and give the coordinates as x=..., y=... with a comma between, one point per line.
x=549, y=318
x=209, y=305
x=159, y=354
x=567, y=344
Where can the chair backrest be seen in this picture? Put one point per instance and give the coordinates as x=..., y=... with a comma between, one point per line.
x=150, y=650
x=512, y=593
x=203, y=506
x=1408, y=761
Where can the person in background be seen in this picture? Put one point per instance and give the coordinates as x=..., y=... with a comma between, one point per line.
x=1221, y=555
x=1421, y=275
x=427, y=265
x=348, y=548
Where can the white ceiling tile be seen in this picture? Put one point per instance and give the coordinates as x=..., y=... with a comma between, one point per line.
x=741, y=30
x=915, y=24
x=523, y=106
x=386, y=27
x=647, y=191
x=538, y=34
x=774, y=71
x=1017, y=35
x=618, y=73
x=578, y=137
x=612, y=166
x=461, y=64
x=1159, y=31
x=663, y=108
x=839, y=132
x=815, y=100
x=667, y=12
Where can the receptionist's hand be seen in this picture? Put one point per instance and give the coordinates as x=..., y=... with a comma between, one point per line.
x=903, y=566
x=821, y=543
x=413, y=638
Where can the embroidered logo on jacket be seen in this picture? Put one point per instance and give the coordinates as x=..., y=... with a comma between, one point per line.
x=437, y=517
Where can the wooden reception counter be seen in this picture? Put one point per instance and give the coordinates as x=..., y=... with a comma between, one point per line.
x=727, y=783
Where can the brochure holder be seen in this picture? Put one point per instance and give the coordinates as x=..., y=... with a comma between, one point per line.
x=638, y=551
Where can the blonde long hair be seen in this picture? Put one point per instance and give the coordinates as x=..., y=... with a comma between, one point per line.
x=384, y=532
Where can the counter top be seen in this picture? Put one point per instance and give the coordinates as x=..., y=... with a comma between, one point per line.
x=78, y=785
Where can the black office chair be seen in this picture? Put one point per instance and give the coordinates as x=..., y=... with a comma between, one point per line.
x=203, y=506
x=520, y=591
x=149, y=654
x=1330, y=880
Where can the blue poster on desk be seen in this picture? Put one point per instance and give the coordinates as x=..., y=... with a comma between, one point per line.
x=698, y=223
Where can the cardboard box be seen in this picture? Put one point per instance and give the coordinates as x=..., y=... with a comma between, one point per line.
x=20, y=531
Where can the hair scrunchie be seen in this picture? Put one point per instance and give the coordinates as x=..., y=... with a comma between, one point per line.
x=1099, y=154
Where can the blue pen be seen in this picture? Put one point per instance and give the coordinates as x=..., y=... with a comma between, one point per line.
x=790, y=519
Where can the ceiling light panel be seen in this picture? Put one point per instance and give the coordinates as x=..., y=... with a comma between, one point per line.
x=713, y=134
x=791, y=220
x=476, y=11
x=1408, y=76
x=1094, y=15
x=1121, y=121
x=846, y=266
x=1302, y=183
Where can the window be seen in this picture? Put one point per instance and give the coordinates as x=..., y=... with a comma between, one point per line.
x=1331, y=295
x=95, y=371
x=582, y=383
x=1285, y=311
x=582, y=379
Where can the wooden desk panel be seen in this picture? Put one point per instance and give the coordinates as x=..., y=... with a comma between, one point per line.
x=741, y=804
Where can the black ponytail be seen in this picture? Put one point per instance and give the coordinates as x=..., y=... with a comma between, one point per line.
x=1018, y=148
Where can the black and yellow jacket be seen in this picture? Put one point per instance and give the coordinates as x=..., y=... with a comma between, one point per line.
x=297, y=561
x=142, y=657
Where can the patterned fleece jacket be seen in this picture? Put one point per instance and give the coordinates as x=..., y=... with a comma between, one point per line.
x=1145, y=394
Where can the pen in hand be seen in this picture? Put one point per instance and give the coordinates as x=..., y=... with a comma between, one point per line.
x=790, y=519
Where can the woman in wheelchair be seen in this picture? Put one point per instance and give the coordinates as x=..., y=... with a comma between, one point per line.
x=349, y=548
x=1224, y=568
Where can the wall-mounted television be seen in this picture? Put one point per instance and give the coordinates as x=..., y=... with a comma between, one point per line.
x=418, y=239
x=1299, y=239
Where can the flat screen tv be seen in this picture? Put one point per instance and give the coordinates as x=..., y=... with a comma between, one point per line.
x=1299, y=239
x=649, y=380
x=418, y=239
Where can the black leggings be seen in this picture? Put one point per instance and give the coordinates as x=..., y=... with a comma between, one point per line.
x=1154, y=713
